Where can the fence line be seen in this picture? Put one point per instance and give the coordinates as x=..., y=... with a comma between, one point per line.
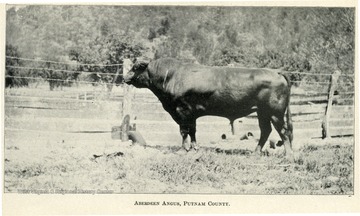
x=37, y=131
x=100, y=96
x=113, y=74
x=318, y=94
x=59, y=111
x=101, y=65
x=41, y=117
x=313, y=74
x=316, y=82
x=61, y=70
x=58, y=62
x=103, y=83
x=146, y=125
x=47, y=79
x=294, y=96
x=64, y=98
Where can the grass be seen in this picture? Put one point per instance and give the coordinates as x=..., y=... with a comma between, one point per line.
x=326, y=169
x=64, y=161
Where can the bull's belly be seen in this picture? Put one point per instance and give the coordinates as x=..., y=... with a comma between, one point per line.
x=230, y=111
x=223, y=105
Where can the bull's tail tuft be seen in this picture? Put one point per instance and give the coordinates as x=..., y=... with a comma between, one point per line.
x=289, y=123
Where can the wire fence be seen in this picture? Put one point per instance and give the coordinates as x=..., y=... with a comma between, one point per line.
x=347, y=82
x=78, y=71
x=322, y=85
x=100, y=92
x=109, y=65
x=61, y=70
x=88, y=82
x=58, y=80
x=39, y=78
x=66, y=63
x=84, y=103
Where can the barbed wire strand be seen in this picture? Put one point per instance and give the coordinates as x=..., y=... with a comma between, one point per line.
x=58, y=62
x=73, y=96
x=47, y=79
x=316, y=82
x=112, y=74
x=61, y=70
x=101, y=65
x=25, y=77
x=120, y=75
x=314, y=74
x=321, y=83
x=88, y=82
x=68, y=94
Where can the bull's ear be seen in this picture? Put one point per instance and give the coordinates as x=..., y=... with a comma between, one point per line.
x=140, y=65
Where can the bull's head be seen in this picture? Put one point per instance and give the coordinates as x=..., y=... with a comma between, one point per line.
x=138, y=76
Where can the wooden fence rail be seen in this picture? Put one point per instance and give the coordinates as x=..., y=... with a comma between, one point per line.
x=70, y=115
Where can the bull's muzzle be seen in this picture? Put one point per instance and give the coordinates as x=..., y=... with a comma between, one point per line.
x=128, y=77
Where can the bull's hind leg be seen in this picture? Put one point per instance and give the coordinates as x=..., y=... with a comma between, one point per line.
x=232, y=126
x=284, y=132
x=192, y=131
x=265, y=130
x=184, y=131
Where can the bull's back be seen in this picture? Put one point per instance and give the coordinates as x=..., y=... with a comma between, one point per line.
x=222, y=91
x=234, y=92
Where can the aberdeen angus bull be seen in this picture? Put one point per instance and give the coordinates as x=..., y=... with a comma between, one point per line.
x=189, y=91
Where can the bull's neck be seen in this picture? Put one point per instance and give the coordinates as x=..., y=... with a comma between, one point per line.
x=160, y=92
x=158, y=84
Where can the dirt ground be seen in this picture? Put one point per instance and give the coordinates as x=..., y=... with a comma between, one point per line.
x=64, y=165
x=46, y=153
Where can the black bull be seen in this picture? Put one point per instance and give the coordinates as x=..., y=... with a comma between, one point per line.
x=189, y=91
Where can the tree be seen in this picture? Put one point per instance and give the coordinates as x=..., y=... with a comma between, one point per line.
x=13, y=75
x=104, y=56
x=316, y=40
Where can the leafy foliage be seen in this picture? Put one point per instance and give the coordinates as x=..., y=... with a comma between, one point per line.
x=13, y=74
x=105, y=55
x=317, y=40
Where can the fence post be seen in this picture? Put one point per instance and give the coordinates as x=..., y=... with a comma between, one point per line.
x=111, y=84
x=326, y=120
x=127, y=100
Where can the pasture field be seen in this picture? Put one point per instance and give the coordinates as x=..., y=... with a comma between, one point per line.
x=66, y=147
x=225, y=167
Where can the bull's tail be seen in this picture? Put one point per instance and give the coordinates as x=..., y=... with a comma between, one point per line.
x=289, y=124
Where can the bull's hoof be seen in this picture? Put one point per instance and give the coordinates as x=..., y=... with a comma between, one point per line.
x=289, y=156
x=272, y=145
x=195, y=146
x=265, y=153
x=181, y=151
x=187, y=146
x=296, y=157
x=279, y=143
x=258, y=154
x=257, y=151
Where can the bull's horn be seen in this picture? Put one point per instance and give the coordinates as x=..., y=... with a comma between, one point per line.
x=143, y=60
x=141, y=63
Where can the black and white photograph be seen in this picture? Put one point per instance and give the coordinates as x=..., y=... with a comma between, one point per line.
x=166, y=99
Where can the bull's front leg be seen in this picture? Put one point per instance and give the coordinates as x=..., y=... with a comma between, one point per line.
x=188, y=129
x=185, y=117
